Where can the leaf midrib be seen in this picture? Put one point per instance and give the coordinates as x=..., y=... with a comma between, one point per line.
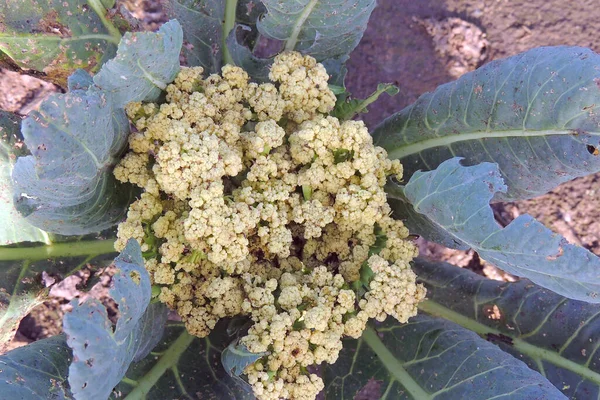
x=55, y=38
x=56, y=250
x=394, y=367
x=293, y=39
x=421, y=145
x=535, y=352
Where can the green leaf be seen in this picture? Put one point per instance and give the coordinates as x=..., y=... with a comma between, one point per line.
x=55, y=37
x=430, y=358
x=14, y=227
x=346, y=109
x=535, y=114
x=323, y=29
x=183, y=367
x=152, y=327
x=66, y=186
x=36, y=371
x=258, y=68
x=553, y=335
x=80, y=80
x=21, y=269
x=202, y=31
x=145, y=64
x=342, y=155
x=236, y=357
x=203, y=24
x=455, y=201
x=337, y=70
x=327, y=31
x=98, y=349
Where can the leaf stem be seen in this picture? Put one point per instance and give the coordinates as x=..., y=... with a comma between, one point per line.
x=535, y=352
x=394, y=367
x=363, y=104
x=69, y=249
x=168, y=360
x=394, y=191
x=293, y=39
x=228, y=24
x=129, y=382
x=424, y=142
x=25, y=38
x=101, y=11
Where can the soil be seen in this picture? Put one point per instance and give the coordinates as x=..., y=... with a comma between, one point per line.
x=418, y=45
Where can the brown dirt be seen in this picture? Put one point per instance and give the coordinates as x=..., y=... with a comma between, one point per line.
x=21, y=93
x=418, y=45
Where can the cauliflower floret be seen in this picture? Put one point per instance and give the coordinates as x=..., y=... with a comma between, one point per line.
x=257, y=203
x=314, y=216
x=189, y=79
x=317, y=318
x=393, y=291
x=302, y=85
x=134, y=168
x=266, y=101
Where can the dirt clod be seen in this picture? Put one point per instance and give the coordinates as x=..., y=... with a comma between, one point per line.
x=460, y=44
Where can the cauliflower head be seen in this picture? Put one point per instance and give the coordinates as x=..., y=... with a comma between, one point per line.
x=257, y=203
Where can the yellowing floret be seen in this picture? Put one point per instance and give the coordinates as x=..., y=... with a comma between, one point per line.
x=257, y=203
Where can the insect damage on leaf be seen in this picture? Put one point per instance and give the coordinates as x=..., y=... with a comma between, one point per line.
x=57, y=37
x=451, y=204
x=112, y=349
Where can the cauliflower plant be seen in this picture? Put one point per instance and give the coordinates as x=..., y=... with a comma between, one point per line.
x=258, y=203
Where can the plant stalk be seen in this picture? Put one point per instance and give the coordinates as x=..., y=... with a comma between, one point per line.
x=394, y=367
x=535, y=352
x=101, y=11
x=228, y=25
x=293, y=39
x=415, y=147
x=69, y=249
x=168, y=360
x=366, y=102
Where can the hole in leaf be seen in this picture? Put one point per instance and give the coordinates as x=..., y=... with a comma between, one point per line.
x=556, y=256
x=135, y=277
x=592, y=150
x=86, y=344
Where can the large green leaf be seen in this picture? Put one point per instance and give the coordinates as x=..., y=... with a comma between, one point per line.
x=21, y=269
x=37, y=371
x=202, y=31
x=203, y=24
x=553, y=335
x=535, y=114
x=151, y=328
x=326, y=30
x=183, y=367
x=323, y=29
x=14, y=227
x=54, y=37
x=258, y=68
x=99, y=350
x=145, y=64
x=430, y=358
x=453, y=203
x=66, y=186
